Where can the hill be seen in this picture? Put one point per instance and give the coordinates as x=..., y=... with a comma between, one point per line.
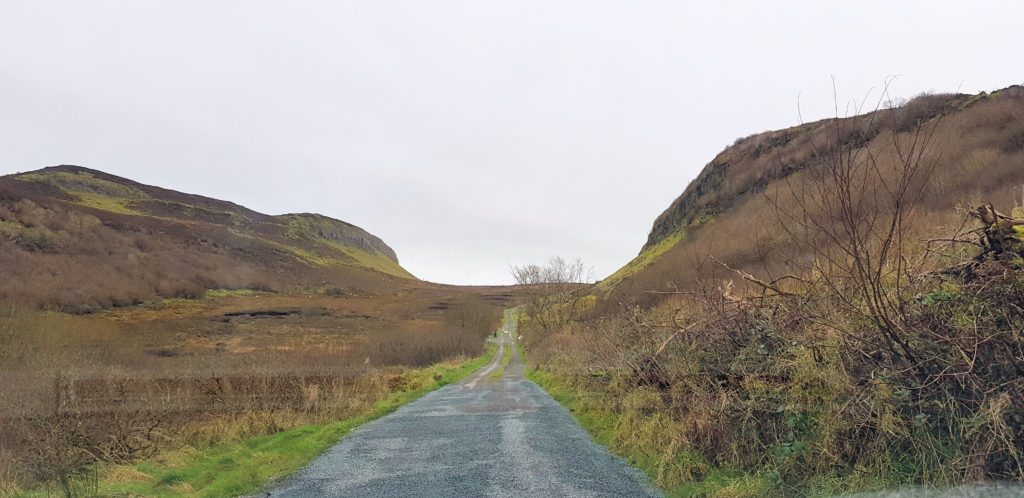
x=975, y=156
x=831, y=308
x=76, y=239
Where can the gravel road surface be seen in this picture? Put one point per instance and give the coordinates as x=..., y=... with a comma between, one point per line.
x=502, y=437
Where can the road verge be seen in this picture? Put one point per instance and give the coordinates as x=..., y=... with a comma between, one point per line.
x=247, y=465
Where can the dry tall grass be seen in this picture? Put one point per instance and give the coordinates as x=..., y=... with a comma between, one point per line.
x=118, y=386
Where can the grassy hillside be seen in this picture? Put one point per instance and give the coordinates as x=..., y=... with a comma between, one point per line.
x=76, y=239
x=977, y=154
x=831, y=308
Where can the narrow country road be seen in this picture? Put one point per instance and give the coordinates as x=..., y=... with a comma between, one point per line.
x=480, y=437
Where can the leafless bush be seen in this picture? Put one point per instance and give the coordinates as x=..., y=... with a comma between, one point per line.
x=865, y=359
x=471, y=314
x=556, y=271
x=854, y=212
x=417, y=349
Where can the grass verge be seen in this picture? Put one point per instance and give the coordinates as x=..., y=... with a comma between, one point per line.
x=245, y=466
x=506, y=358
x=513, y=315
x=617, y=432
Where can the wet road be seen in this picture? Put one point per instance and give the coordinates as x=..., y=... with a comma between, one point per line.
x=479, y=437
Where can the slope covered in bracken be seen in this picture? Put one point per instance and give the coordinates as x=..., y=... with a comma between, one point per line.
x=974, y=156
x=76, y=239
x=831, y=308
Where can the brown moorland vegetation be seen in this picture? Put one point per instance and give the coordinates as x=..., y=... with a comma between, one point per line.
x=136, y=320
x=121, y=385
x=824, y=310
x=975, y=156
x=78, y=240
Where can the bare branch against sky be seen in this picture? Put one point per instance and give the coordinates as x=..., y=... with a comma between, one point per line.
x=468, y=135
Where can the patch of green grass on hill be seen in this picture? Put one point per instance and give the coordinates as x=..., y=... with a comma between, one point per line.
x=229, y=292
x=84, y=182
x=374, y=261
x=106, y=203
x=342, y=256
x=304, y=256
x=316, y=259
x=646, y=258
x=303, y=227
x=91, y=191
x=11, y=228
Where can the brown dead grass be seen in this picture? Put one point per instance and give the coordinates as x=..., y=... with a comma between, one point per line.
x=722, y=387
x=728, y=211
x=184, y=373
x=122, y=473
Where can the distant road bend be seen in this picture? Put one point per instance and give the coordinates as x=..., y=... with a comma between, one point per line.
x=474, y=438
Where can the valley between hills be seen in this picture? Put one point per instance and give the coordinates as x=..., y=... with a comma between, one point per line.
x=832, y=308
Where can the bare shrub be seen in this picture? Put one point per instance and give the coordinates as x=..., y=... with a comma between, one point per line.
x=471, y=314
x=556, y=271
x=417, y=349
x=194, y=373
x=844, y=351
x=854, y=214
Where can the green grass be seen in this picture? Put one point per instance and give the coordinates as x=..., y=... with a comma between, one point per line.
x=608, y=427
x=10, y=227
x=104, y=202
x=376, y=261
x=246, y=466
x=506, y=358
x=84, y=182
x=91, y=191
x=600, y=424
x=343, y=256
x=643, y=260
x=605, y=426
x=522, y=354
x=229, y=292
x=302, y=227
x=513, y=314
x=650, y=255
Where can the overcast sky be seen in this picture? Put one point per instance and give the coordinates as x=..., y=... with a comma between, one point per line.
x=469, y=135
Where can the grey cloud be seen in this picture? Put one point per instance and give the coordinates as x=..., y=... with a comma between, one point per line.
x=468, y=135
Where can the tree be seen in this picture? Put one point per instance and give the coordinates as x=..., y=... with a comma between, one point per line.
x=564, y=297
x=557, y=271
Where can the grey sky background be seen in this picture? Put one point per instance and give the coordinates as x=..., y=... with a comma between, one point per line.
x=469, y=135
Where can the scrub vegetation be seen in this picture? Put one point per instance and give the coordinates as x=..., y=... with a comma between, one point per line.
x=844, y=313
x=164, y=399
x=160, y=343
x=244, y=465
x=77, y=240
x=835, y=307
